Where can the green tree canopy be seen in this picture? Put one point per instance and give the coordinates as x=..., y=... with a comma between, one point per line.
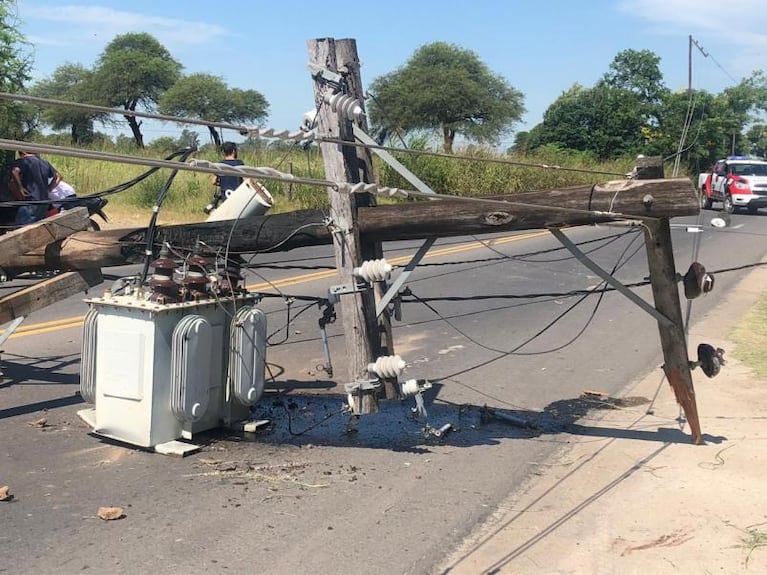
x=603, y=120
x=15, y=66
x=71, y=82
x=637, y=71
x=207, y=97
x=630, y=111
x=133, y=71
x=443, y=87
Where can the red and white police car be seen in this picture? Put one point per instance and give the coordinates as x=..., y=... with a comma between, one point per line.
x=737, y=181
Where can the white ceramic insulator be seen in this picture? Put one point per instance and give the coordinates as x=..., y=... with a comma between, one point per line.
x=373, y=270
x=410, y=387
x=387, y=366
x=346, y=106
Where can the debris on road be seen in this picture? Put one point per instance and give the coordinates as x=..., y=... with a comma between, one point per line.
x=40, y=423
x=110, y=513
x=486, y=414
x=594, y=393
x=439, y=431
x=5, y=493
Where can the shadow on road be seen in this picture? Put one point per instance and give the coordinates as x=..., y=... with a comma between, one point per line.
x=314, y=412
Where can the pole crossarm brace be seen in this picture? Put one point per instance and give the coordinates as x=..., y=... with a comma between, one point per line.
x=422, y=187
x=606, y=276
x=363, y=137
x=8, y=331
x=402, y=277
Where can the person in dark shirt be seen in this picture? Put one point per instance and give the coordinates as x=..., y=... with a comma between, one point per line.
x=228, y=184
x=31, y=179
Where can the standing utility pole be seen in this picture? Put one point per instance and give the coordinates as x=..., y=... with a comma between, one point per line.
x=335, y=66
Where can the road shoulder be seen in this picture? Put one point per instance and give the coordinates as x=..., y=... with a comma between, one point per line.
x=629, y=493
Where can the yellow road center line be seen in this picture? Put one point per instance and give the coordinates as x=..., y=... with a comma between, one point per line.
x=58, y=324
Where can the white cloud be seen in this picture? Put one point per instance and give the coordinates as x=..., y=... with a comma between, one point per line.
x=728, y=19
x=734, y=32
x=80, y=23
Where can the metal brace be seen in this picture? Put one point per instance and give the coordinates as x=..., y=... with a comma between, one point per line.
x=421, y=186
x=358, y=390
x=320, y=72
x=338, y=290
x=606, y=276
x=402, y=277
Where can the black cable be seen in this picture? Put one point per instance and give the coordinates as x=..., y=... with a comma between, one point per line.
x=183, y=154
x=288, y=321
x=515, y=350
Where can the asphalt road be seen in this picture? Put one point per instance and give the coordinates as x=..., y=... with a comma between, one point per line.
x=305, y=496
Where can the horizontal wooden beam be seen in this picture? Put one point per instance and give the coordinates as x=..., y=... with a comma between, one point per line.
x=40, y=234
x=46, y=292
x=578, y=205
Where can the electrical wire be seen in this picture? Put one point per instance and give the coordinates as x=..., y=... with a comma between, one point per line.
x=151, y=228
x=515, y=350
x=289, y=320
x=428, y=153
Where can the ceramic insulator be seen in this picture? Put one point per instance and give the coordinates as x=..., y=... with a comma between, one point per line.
x=346, y=106
x=387, y=366
x=373, y=270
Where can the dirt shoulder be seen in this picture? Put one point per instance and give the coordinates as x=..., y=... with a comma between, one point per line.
x=628, y=493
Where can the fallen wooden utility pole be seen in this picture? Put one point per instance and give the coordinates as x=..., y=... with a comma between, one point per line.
x=40, y=234
x=579, y=205
x=47, y=292
x=665, y=290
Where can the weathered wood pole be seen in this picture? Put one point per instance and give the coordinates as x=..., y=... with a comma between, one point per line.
x=370, y=248
x=407, y=221
x=343, y=163
x=665, y=290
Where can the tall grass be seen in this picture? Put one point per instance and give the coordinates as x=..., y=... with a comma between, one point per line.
x=190, y=192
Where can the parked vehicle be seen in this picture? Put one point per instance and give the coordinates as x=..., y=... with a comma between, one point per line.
x=739, y=182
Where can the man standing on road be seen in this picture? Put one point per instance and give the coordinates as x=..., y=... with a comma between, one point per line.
x=31, y=180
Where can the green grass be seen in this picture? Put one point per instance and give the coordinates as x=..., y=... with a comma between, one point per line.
x=753, y=540
x=750, y=337
x=190, y=192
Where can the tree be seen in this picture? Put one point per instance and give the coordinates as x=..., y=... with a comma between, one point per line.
x=133, y=71
x=603, y=120
x=447, y=88
x=15, y=67
x=207, y=97
x=757, y=139
x=70, y=82
x=637, y=71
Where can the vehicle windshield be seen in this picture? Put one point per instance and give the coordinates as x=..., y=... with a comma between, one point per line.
x=749, y=169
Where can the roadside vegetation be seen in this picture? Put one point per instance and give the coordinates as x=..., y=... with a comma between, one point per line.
x=750, y=337
x=190, y=192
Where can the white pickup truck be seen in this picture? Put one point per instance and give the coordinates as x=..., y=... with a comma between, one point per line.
x=737, y=181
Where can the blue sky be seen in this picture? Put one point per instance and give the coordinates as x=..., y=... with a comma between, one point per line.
x=541, y=47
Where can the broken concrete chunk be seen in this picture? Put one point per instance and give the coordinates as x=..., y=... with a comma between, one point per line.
x=110, y=513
